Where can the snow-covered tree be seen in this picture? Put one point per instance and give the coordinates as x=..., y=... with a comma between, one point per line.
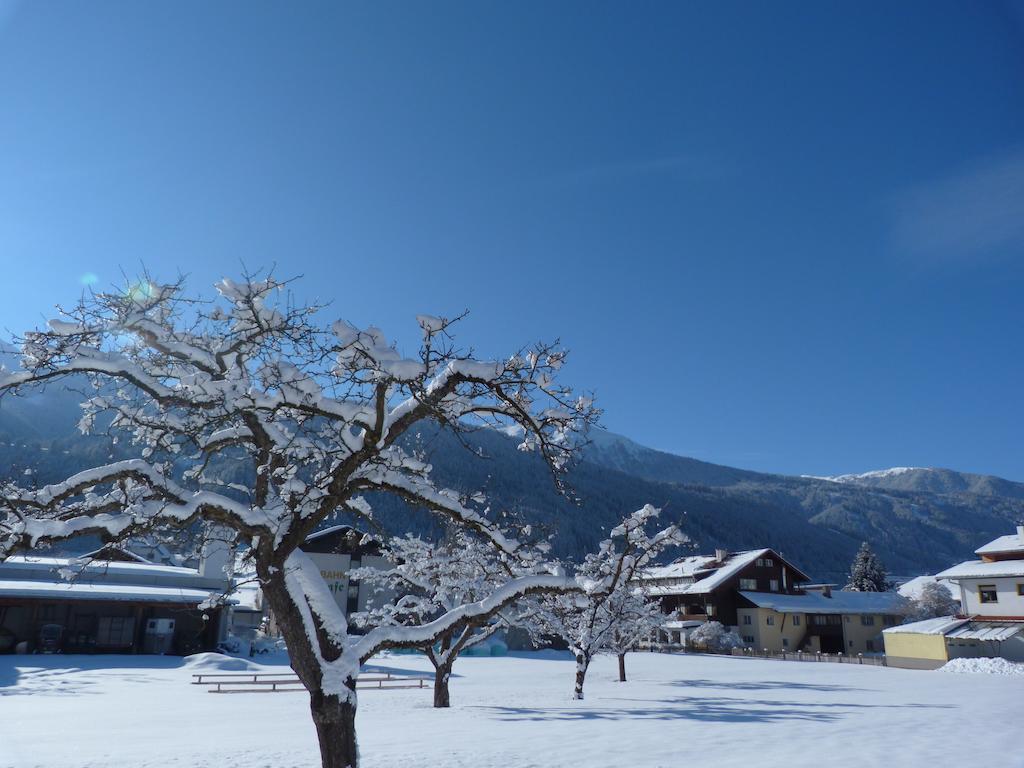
x=638, y=617
x=588, y=621
x=713, y=636
x=429, y=579
x=307, y=419
x=867, y=574
x=934, y=600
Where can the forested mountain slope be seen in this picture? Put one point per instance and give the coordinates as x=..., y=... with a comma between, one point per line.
x=918, y=521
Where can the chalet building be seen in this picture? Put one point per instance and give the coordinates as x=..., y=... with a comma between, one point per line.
x=767, y=601
x=991, y=593
x=110, y=601
x=707, y=587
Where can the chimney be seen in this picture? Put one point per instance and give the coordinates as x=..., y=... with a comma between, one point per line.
x=1020, y=533
x=826, y=591
x=721, y=555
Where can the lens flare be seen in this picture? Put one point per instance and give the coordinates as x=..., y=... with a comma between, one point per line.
x=89, y=278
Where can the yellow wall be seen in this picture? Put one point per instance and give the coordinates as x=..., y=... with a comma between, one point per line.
x=856, y=635
x=771, y=636
x=911, y=645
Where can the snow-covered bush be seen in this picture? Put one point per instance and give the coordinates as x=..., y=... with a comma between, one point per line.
x=714, y=637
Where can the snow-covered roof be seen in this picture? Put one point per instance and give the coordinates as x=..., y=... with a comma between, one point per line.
x=1014, y=542
x=689, y=624
x=840, y=602
x=706, y=572
x=58, y=590
x=986, y=630
x=35, y=563
x=961, y=629
x=938, y=626
x=912, y=589
x=682, y=568
x=981, y=570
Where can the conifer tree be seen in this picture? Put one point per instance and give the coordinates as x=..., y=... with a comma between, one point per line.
x=867, y=574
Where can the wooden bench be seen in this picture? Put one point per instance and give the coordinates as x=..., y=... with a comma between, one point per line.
x=264, y=682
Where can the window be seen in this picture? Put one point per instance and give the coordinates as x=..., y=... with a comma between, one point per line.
x=785, y=642
x=760, y=562
x=796, y=620
x=889, y=621
x=115, y=631
x=746, y=619
x=748, y=638
x=1020, y=590
x=750, y=585
x=987, y=593
x=871, y=646
x=867, y=621
x=769, y=562
x=773, y=585
x=709, y=610
x=770, y=620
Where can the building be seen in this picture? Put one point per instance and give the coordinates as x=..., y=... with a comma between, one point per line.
x=819, y=620
x=706, y=587
x=336, y=551
x=111, y=601
x=767, y=601
x=991, y=591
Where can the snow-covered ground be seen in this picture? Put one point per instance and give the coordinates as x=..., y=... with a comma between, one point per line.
x=514, y=712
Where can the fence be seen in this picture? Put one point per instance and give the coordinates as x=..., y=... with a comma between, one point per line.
x=815, y=657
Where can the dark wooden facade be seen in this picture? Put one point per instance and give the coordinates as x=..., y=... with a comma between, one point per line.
x=99, y=626
x=720, y=603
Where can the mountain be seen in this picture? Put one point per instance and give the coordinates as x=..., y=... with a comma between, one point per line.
x=917, y=520
x=934, y=480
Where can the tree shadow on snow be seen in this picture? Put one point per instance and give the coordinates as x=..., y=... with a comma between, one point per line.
x=763, y=685
x=700, y=709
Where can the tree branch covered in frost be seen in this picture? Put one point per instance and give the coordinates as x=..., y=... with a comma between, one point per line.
x=431, y=579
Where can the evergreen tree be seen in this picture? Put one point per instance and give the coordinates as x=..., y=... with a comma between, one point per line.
x=867, y=574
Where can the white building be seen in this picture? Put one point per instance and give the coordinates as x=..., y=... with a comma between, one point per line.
x=991, y=591
x=994, y=585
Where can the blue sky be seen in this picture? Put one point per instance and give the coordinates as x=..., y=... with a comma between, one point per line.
x=787, y=237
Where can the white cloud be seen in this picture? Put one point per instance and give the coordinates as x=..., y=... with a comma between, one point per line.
x=974, y=215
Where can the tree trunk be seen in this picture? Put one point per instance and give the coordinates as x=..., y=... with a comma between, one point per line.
x=335, y=721
x=582, y=662
x=334, y=716
x=622, y=667
x=442, y=698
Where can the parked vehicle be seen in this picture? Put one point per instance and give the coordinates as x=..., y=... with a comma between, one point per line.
x=50, y=636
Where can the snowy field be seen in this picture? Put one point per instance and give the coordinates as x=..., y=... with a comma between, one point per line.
x=515, y=712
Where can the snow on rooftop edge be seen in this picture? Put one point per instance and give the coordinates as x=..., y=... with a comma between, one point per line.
x=983, y=570
x=937, y=626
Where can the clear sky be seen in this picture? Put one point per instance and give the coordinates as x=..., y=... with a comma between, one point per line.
x=786, y=237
